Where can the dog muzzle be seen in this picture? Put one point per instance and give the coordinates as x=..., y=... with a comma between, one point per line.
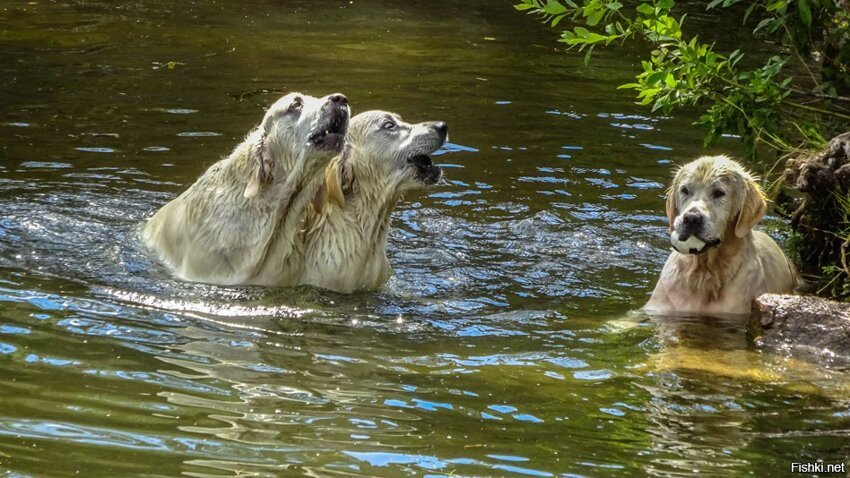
x=691, y=244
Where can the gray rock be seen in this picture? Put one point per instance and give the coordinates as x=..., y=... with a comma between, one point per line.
x=803, y=326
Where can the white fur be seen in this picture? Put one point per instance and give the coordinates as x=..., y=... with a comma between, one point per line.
x=239, y=222
x=346, y=237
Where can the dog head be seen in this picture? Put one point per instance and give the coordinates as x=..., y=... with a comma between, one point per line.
x=712, y=198
x=383, y=153
x=297, y=126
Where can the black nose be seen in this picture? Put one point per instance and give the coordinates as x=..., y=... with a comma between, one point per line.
x=441, y=128
x=338, y=98
x=693, y=221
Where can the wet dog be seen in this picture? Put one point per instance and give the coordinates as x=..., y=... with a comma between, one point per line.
x=346, y=231
x=239, y=223
x=719, y=264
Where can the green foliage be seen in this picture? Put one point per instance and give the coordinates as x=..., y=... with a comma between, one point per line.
x=763, y=104
x=835, y=279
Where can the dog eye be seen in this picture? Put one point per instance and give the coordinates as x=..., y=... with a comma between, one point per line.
x=718, y=193
x=296, y=104
x=388, y=125
x=685, y=190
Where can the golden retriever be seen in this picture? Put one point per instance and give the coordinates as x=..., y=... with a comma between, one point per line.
x=239, y=222
x=346, y=231
x=719, y=264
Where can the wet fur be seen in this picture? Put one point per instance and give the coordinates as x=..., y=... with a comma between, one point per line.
x=746, y=264
x=347, y=228
x=239, y=222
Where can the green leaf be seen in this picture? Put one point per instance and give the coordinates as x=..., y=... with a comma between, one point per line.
x=587, y=55
x=749, y=11
x=581, y=32
x=779, y=5
x=647, y=95
x=654, y=78
x=764, y=23
x=665, y=4
x=735, y=57
x=554, y=8
x=596, y=38
x=805, y=12
x=670, y=80
x=619, y=28
x=594, y=18
x=523, y=6
x=645, y=9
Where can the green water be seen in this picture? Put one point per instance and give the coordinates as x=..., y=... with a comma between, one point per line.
x=489, y=353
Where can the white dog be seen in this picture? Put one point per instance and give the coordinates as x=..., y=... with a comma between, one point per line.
x=346, y=232
x=719, y=264
x=239, y=222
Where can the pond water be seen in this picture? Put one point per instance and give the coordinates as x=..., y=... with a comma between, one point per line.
x=493, y=351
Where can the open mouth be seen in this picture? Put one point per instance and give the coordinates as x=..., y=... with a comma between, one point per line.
x=329, y=134
x=426, y=171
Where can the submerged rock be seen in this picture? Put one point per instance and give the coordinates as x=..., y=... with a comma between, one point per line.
x=803, y=326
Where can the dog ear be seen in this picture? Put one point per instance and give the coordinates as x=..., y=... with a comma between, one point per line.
x=260, y=154
x=346, y=172
x=753, y=206
x=672, y=204
x=339, y=178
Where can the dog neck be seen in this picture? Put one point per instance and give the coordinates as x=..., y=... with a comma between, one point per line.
x=290, y=194
x=365, y=206
x=707, y=273
x=371, y=208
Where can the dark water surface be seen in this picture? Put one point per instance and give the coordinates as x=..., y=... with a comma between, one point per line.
x=489, y=353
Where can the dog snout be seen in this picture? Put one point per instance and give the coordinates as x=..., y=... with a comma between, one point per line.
x=338, y=99
x=442, y=129
x=692, y=221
